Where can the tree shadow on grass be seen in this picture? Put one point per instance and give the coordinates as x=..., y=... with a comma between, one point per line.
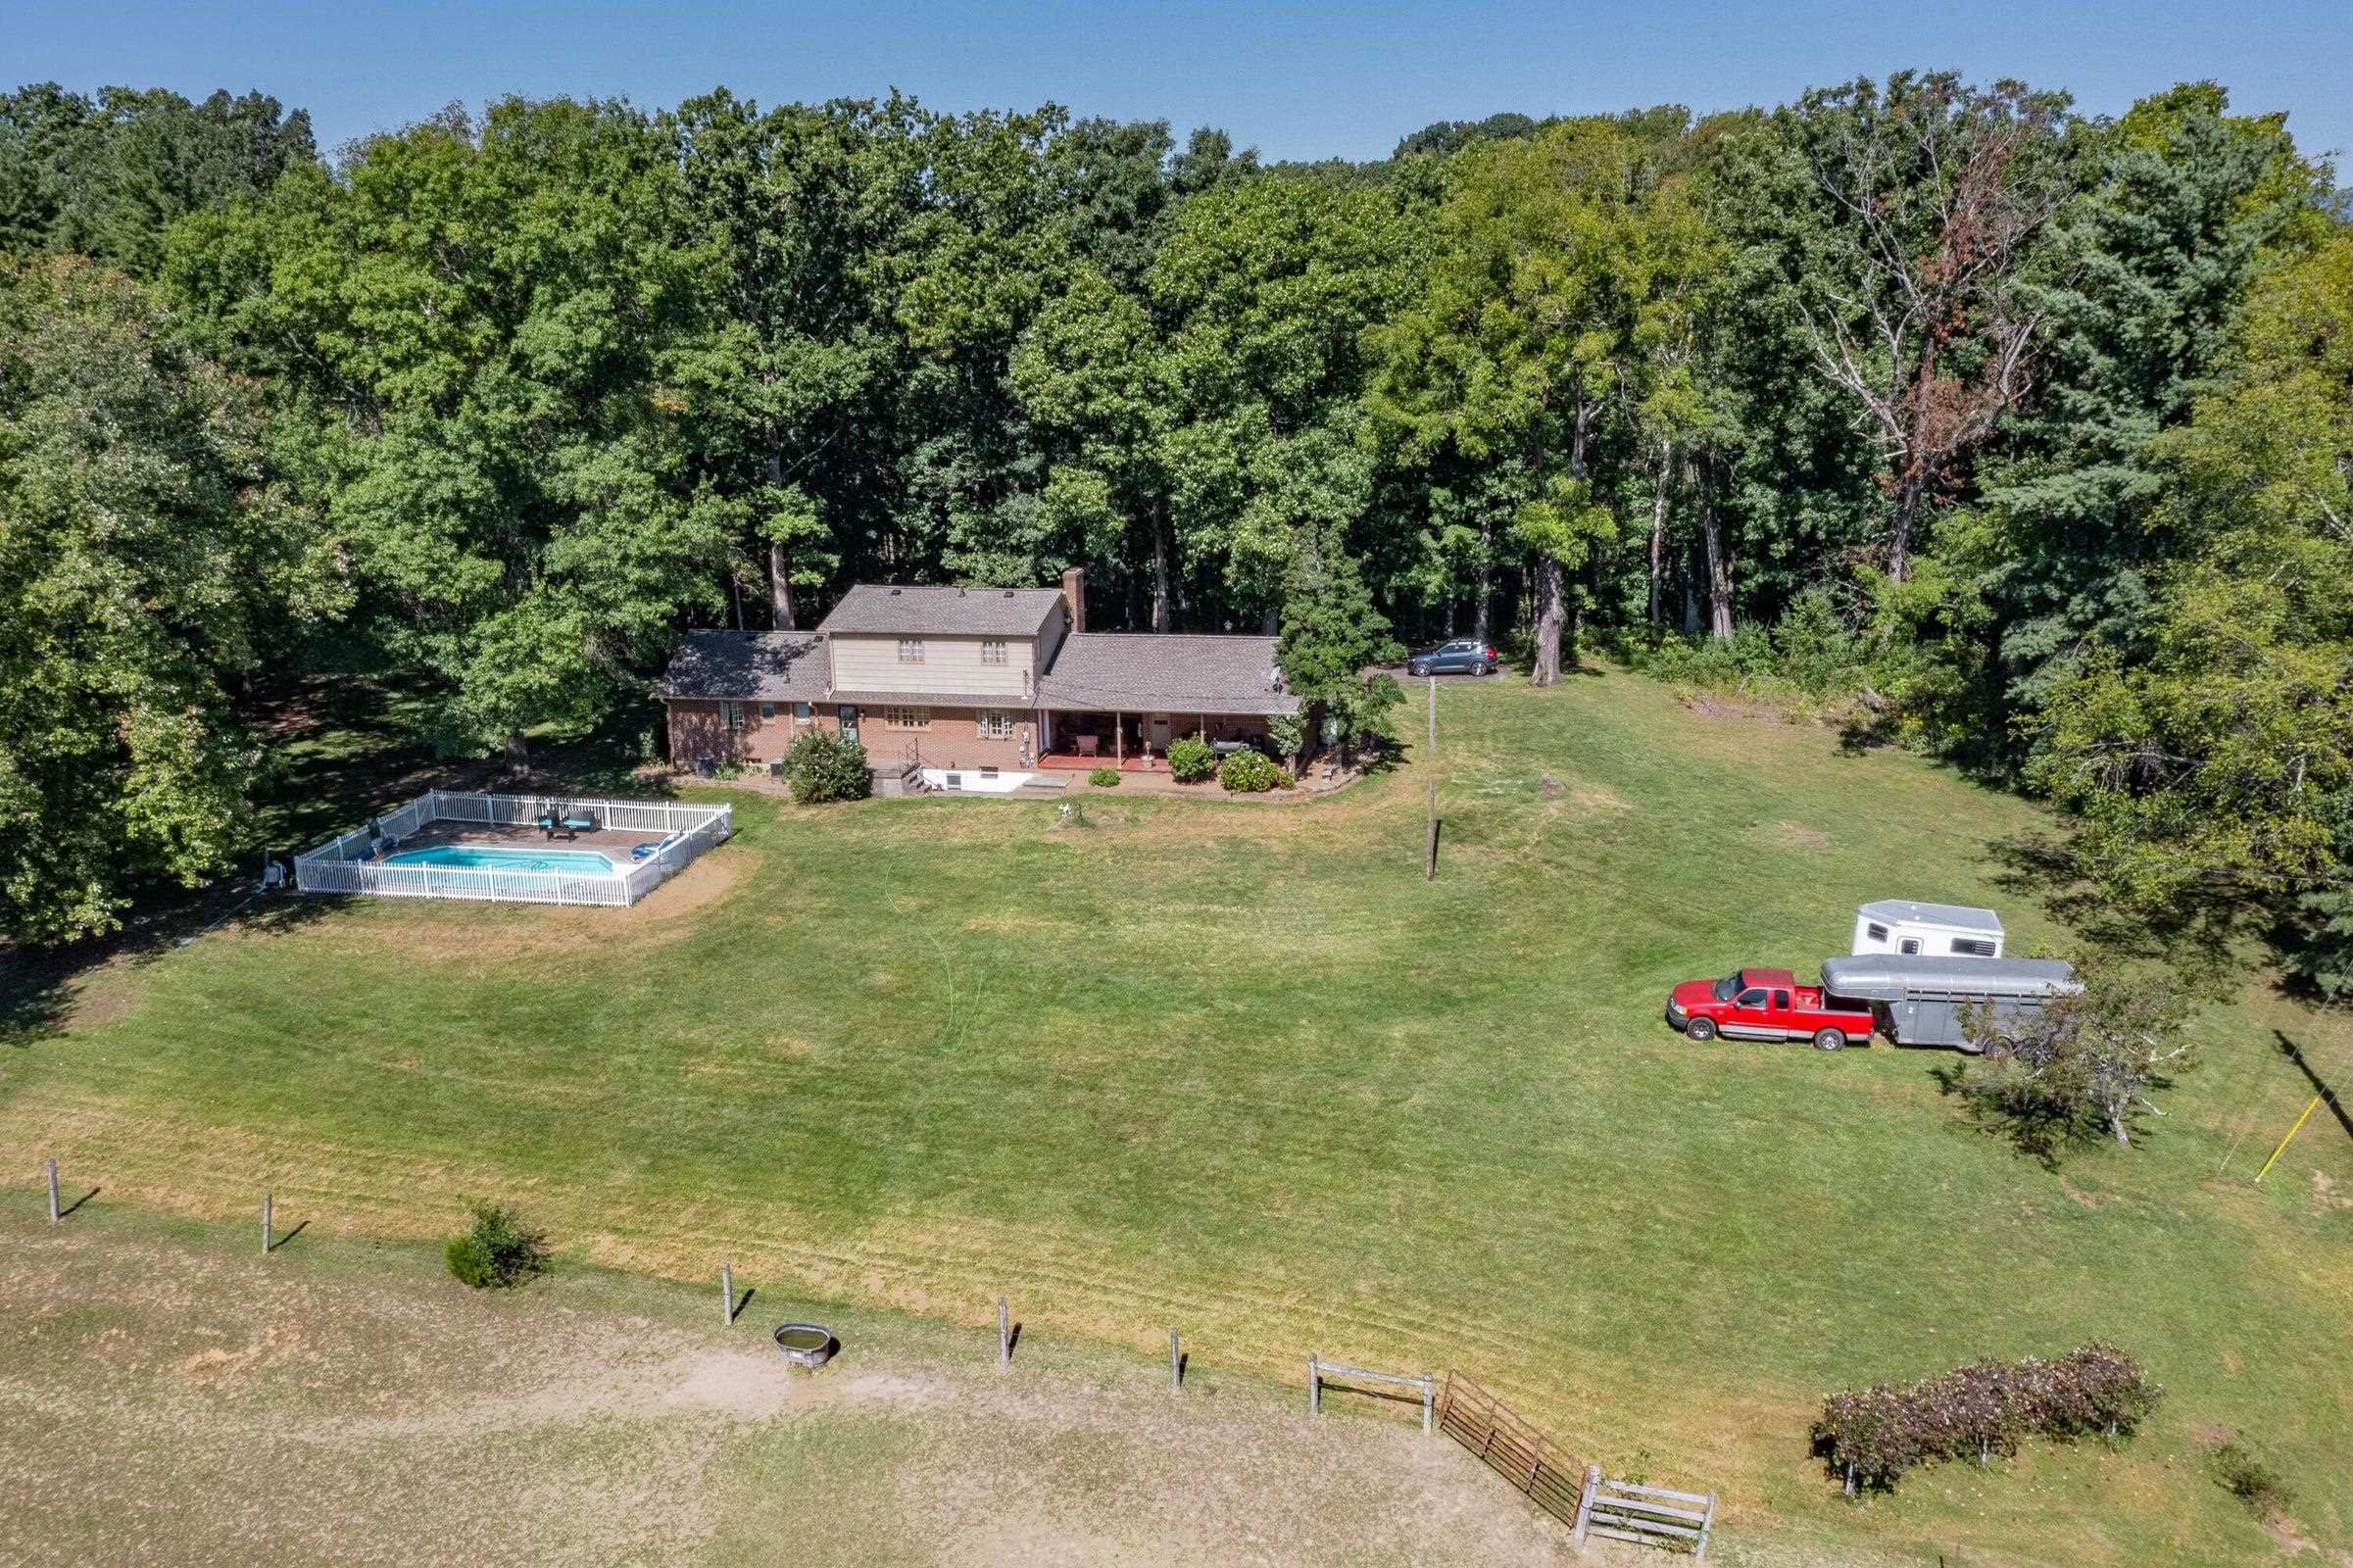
x=2321, y=1087
x=39, y=986
x=2198, y=931
x=2031, y=1128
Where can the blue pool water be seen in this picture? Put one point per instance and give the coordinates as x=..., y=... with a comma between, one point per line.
x=482, y=858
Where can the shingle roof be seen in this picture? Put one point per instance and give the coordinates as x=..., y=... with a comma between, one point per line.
x=1176, y=672
x=942, y=611
x=748, y=665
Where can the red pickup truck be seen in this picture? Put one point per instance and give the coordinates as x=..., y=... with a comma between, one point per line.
x=1766, y=1005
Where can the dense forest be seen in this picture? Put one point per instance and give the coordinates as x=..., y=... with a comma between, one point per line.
x=2026, y=434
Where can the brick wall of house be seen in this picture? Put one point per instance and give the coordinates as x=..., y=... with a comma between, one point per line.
x=952, y=739
x=769, y=730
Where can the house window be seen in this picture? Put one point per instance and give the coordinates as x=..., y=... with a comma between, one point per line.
x=995, y=724
x=1973, y=948
x=988, y=772
x=802, y=711
x=910, y=650
x=906, y=718
x=992, y=650
x=731, y=716
x=768, y=711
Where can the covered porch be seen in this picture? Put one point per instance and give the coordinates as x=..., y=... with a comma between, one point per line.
x=1083, y=739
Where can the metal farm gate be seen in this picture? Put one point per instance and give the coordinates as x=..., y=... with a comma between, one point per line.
x=1537, y=1466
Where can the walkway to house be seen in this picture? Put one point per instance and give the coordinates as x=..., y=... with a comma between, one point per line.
x=1066, y=762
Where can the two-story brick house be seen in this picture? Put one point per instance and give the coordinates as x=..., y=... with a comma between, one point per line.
x=978, y=688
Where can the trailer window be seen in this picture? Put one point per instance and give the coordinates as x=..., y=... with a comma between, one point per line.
x=1972, y=947
x=1908, y=945
x=1877, y=931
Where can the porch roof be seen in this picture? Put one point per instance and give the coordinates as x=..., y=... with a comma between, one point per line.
x=748, y=665
x=1179, y=672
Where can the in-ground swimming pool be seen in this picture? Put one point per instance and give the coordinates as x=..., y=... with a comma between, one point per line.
x=493, y=858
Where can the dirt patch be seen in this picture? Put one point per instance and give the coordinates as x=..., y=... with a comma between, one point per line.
x=1720, y=706
x=403, y=1420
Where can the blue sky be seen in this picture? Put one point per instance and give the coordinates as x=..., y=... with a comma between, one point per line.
x=1294, y=81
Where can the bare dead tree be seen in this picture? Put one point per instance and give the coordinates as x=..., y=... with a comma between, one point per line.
x=1939, y=191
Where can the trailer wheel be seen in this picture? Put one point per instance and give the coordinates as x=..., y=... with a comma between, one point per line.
x=1702, y=1030
x=1830, y=1040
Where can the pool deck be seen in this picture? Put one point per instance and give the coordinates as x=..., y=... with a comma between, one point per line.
x=615, y=842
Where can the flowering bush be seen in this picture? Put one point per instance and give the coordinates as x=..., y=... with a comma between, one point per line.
x=1251, y=773
x=1870, y=1437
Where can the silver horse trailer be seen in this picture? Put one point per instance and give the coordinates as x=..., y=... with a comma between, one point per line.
x=1918, y=999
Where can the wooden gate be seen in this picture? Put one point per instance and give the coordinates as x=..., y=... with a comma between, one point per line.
x=1653, y=1516
x=1534, y=1463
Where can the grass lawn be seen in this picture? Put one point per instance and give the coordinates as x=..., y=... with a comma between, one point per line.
x=1237, y=1067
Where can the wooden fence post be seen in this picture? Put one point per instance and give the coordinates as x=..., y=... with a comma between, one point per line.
x=1429, y=1395
x=1176, y=1364
x=1433, y=748
x=53, y=1192
x=266, y=1225
x=1430, y=848
x=1004, y=1334
x=1584, y=1504
x=1705, y=1525
x=727, y=1293
x=1315, y=1386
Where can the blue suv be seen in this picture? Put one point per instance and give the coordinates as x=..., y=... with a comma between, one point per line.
x=1465, y=656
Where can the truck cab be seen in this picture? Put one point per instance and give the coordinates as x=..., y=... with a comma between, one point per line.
x=1755, y=1004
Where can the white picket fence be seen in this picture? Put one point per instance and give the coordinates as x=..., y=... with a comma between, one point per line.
x=336, y=866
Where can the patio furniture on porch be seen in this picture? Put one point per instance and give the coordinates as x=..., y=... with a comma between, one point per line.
x=1086, y=744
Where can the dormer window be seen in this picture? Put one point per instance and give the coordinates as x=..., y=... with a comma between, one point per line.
x=992, y=650
x=910, y=650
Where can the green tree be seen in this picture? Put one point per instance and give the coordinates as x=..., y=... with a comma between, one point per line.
x=476, y=337
x=148, y=565
x=2149, y=272
x=2220, y=761
x=788, y=394
x=107, y=177
x=1517, y=341
x=1333, y=636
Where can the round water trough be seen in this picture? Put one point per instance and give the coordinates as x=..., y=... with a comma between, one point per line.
x=805, y=1344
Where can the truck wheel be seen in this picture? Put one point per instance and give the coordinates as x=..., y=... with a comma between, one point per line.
x=1828, y=1040
x=1702, y=1030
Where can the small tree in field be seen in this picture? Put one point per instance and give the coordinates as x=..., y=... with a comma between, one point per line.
x=823, y=766
x=2086, y=1063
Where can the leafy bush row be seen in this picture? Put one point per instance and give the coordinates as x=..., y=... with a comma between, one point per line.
x=1870, y=1437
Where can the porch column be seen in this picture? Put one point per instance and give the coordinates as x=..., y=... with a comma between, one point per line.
x=1118, y=739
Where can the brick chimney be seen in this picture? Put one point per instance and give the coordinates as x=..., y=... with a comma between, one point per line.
x=1074, y=596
